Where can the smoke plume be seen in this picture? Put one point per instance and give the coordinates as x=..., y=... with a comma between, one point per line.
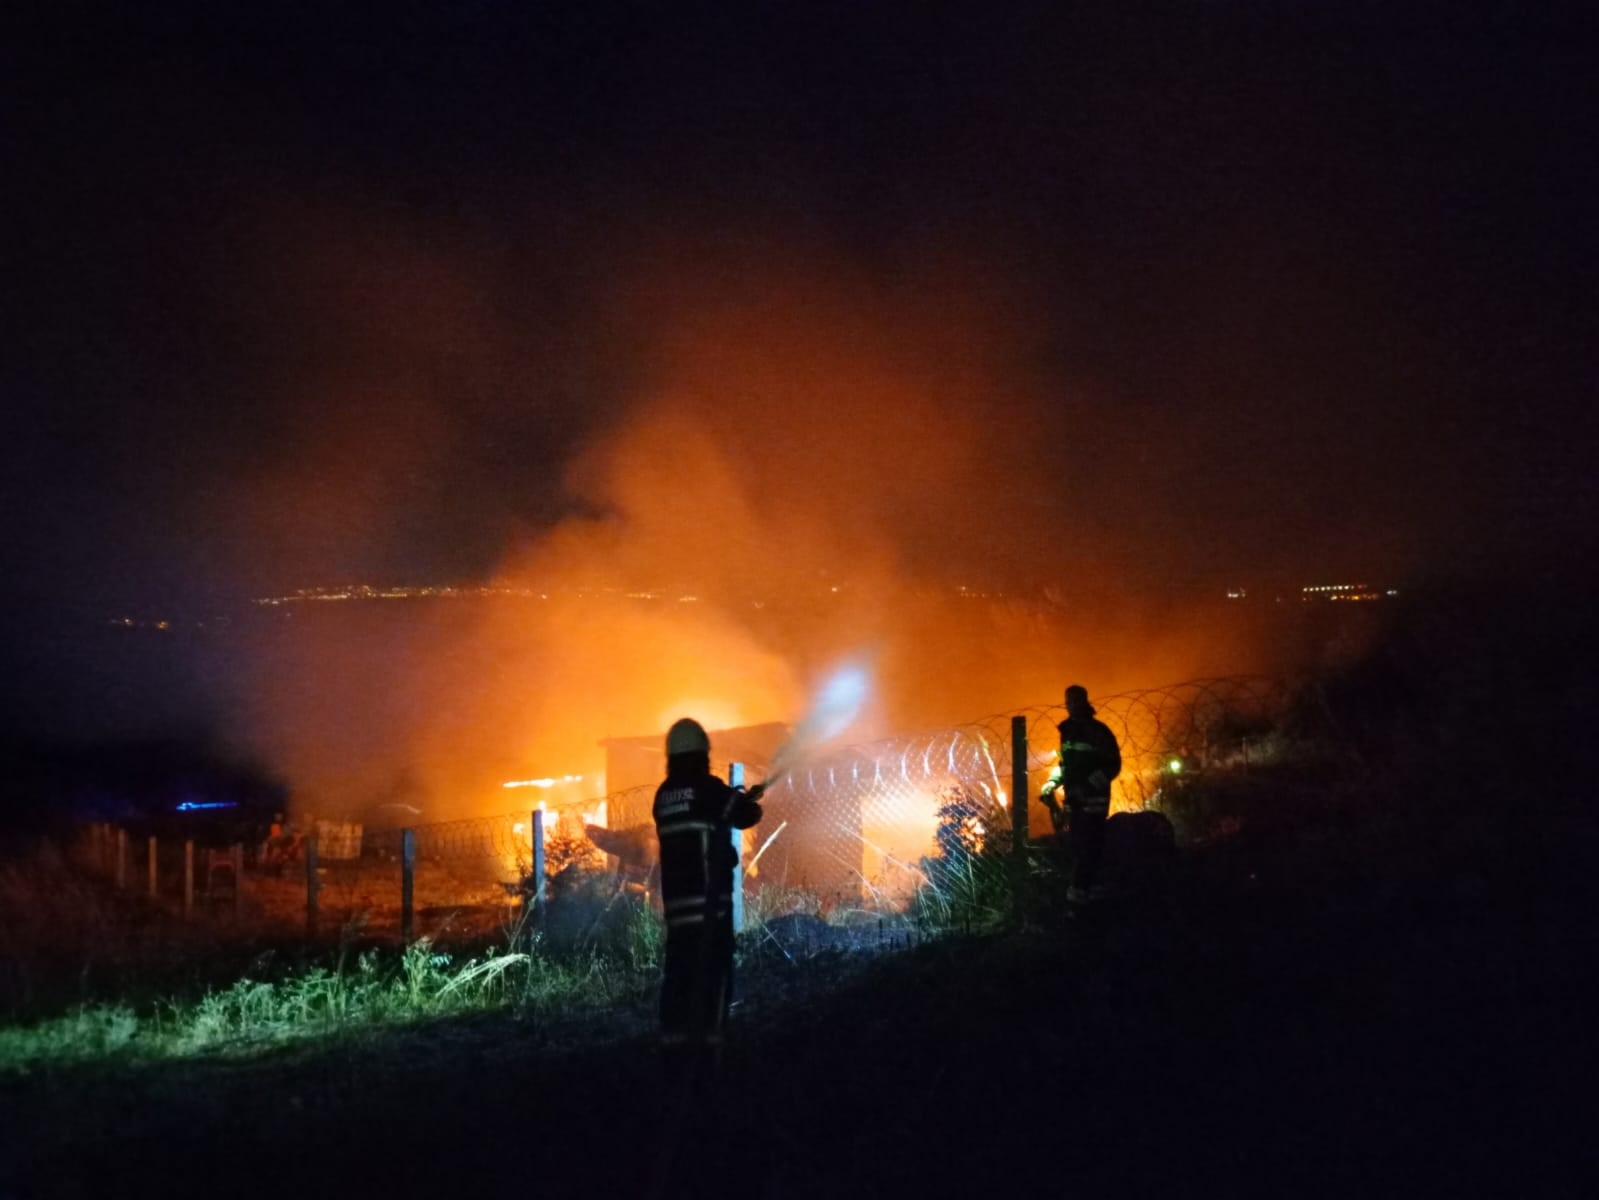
x=808, y=464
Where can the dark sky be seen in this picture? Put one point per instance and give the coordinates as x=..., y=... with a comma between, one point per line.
x=1323, y=272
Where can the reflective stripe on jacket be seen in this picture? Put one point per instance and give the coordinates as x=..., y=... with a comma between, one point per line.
x=1087, y=747
x=694, y=819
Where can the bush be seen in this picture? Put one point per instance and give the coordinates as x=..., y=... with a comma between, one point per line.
x=968, y=884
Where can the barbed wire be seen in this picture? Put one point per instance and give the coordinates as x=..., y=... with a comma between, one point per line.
x=860, y=821
x=877, y=812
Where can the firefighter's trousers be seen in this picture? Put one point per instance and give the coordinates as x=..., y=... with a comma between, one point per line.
x=1086, y=836
x=695, y=989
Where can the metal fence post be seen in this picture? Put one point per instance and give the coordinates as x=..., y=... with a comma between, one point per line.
x=407, y=884
x=152, y=857
x=188, y=878
x=312, y=886
x=122, y=858
x=539, y=894
x=1018, y=803
x=735, y=778
x=238, y=880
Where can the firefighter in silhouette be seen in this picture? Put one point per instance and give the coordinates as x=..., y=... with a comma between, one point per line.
x=695, y=814
x=1089, y=760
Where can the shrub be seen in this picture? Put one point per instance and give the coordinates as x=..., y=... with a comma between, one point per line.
x=968, y=884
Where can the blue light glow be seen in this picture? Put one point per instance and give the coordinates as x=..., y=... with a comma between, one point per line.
x=193, y=805
x=840, y=700
x=837, y=705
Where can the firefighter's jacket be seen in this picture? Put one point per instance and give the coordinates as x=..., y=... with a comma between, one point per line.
x=1089, y=760
x=694, y=819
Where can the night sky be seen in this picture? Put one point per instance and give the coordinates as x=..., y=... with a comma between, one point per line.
x=306, y=294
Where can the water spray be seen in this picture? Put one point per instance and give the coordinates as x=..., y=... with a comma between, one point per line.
x=835, y=707
x=750, y=869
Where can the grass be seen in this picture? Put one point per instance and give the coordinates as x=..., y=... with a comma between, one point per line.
x=597, y=946
x=369, y=990
x=611, y=951
x=151, y=987
x=970, y=885
x=965, y=894
x=1231, y=1039
x=1360, y=956
x=88, y=973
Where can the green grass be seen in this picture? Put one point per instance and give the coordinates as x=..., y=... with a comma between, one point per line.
x=604, y=948
x=965, y=895
x=373, y=990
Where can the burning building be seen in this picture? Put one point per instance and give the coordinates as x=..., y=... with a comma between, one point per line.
x=805, y=855
x=843, y=826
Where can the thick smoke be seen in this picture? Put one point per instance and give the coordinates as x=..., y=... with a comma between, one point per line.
x=810, y=465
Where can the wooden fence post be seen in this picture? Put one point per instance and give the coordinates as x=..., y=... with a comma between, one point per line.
x=1018, y=805
x=313, y=885
x=238, y=880
x=151, y=853
x=735, y=778
x=407, y=884
x=539, y=894
x=188, y=877
x=122, y=858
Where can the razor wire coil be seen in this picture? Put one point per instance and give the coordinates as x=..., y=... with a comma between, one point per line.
x=874, y=812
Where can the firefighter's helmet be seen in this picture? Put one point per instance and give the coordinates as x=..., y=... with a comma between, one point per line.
x=687, y=736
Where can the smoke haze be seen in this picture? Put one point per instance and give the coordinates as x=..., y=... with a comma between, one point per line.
x=1030, y=337
x=811, y=467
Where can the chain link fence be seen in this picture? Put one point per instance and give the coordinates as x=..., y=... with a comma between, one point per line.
x=870, y=829
x=873, y=824
x=859, y=828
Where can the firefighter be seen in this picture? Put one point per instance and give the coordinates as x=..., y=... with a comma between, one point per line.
x=695, y=814
x=1089, y=760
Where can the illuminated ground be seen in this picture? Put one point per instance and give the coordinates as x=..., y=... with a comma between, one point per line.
x=1346, y=1006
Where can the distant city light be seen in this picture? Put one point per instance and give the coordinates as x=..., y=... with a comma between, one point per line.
x=365, y=592
x=1343, y=591
x=549, y=782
